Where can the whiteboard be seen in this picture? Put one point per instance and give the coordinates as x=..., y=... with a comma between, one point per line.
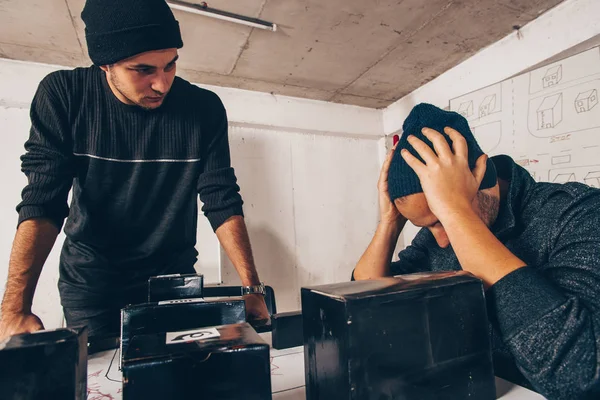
x=547, y=120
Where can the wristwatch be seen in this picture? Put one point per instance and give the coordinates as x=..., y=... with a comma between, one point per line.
x=255, y=289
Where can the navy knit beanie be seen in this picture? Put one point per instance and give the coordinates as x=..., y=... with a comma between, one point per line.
x=402, y=180
x=119, y=29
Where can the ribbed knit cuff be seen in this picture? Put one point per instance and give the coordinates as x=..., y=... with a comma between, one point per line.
x=217, y=218
x=29, y=212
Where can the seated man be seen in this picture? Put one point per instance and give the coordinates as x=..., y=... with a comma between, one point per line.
x=535, y=246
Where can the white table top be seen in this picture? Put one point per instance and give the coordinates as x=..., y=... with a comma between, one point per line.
x=287, y=377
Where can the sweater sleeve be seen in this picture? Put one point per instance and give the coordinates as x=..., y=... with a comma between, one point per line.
x=217, y=184
x=413, y=258
x=549, y=316
x=48, y=160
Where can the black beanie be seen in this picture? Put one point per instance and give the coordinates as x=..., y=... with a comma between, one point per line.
x=119, y=29
x=402, y=180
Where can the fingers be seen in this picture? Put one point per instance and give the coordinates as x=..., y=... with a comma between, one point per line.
x=440, y=144
x=413, y=162
x=480, y=168
x=422, y=149
x=386, y=165
x=459, y=144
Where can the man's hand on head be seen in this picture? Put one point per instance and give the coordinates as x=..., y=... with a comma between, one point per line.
x=389, y=214
x=447, y=181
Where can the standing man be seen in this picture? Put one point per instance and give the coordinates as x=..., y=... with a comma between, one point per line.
x=137, y=145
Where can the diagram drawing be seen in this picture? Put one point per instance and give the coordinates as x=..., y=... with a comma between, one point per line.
x=549, y=113
x=553, y=76
x=488, y=135
x=571, y=70
x=586, y=101
x=569, y=111
x=488, y=106
x=561, y=159
x=593, y=179
x=564, y=178
x=466, y=109
x=588, y=174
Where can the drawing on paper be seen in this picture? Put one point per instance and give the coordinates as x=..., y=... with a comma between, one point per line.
x=466, y=109
x=593, y=179
x=564, y=178
x=586, y=101
x=488, y=106
x=488, y=135
x=553, y=76
x=561, y=159
x=549, y=113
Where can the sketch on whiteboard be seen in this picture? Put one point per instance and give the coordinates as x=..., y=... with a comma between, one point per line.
x=488, y=106
x=573, y=109
x=584, y=174
x=549, y=114
x=561, y=159
x=586, y=101
x=488, y=135
x=593, y=179
x=557, y=104
x=553, y=76
x=567, y=71
x=481, y=105
x=466, y=109
x=564, y=178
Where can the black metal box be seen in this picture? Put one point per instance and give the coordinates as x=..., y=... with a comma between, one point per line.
x=223, y=362
x=417, y=336
x=48, y=364
x=176, y=286
x=287, y=330
x=178, y=315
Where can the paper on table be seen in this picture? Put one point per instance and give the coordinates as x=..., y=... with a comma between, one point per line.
x=287, y=369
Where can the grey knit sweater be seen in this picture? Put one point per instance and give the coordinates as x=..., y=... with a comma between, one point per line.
x=545, y=317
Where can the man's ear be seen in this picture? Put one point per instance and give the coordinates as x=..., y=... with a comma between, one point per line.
x=480, y=168
x=104, y=68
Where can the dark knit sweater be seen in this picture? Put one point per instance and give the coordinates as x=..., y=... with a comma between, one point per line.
x=135, y=177
x=546, y=316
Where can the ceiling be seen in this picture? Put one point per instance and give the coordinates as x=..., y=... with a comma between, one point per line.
x=368, y=53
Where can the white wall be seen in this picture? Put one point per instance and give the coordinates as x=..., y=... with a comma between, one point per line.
x=311, y=206
x=302, y=165
x=14, y=123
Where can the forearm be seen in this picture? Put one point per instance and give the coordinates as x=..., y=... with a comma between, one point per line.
x=375, y=262
x=233, y=236
x=33, y=241
x=477, y=249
